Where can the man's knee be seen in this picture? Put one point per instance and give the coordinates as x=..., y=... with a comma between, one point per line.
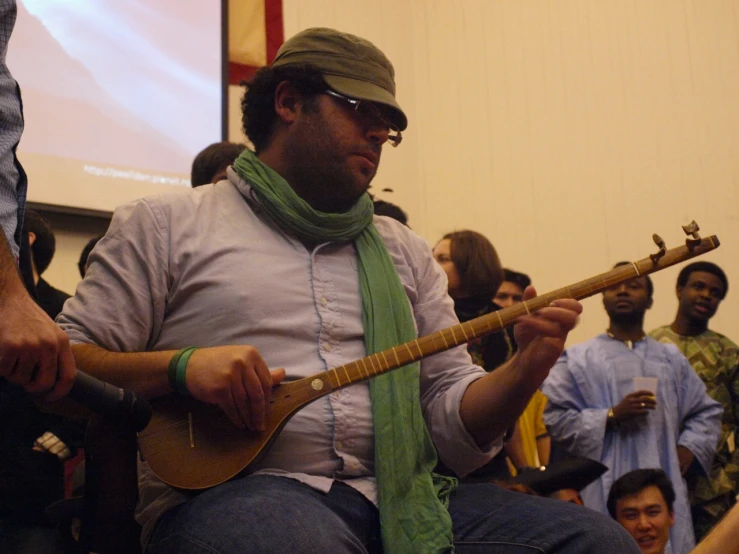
x=258, y=514
x=595, y=532
x=487, y=514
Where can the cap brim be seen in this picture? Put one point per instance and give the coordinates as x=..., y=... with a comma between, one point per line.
x=364, y=90
x=572, y=473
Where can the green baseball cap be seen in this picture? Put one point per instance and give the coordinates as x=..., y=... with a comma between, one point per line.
x=350, y=65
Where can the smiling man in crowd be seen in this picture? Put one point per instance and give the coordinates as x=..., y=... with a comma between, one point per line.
x=642, y=502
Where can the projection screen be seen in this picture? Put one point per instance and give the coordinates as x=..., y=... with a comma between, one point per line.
x=118, y=96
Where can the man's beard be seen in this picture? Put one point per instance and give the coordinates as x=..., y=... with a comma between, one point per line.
x=320, y=172
x=627, y=319
x=332, y=186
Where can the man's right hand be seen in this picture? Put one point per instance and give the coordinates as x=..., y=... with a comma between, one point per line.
x=237, y=379
x=636, y=404
x=34, y=352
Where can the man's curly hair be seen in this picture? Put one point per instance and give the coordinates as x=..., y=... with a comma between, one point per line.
x=257, y=105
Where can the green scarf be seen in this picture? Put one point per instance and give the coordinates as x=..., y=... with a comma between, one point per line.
x=412, y=499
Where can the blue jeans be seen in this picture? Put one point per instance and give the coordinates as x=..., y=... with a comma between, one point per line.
x=268, y=514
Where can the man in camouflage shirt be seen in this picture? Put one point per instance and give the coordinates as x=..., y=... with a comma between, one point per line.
x=701, y=287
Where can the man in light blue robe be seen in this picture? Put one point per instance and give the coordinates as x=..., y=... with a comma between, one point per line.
x=596, y=408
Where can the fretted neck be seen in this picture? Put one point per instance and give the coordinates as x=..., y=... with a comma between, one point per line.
x=412, y=351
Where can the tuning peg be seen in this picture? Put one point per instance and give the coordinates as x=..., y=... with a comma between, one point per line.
x=662, y=249
x=691, y=229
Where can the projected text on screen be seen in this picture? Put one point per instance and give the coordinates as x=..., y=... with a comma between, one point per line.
x=118, y=97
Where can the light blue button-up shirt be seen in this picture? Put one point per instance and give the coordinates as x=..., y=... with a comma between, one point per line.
x=206, y=268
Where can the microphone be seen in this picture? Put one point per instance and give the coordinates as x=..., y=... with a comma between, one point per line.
x=120, y=405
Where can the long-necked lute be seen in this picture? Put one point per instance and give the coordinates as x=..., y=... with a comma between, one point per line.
x=193, y=445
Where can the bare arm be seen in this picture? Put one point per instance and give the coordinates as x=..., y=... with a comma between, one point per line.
x=34, y=352
x=493, y=403
x=232, y=377
x=144, y=373
x=724, y=537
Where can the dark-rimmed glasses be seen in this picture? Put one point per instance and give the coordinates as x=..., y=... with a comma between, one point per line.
x=367, y=109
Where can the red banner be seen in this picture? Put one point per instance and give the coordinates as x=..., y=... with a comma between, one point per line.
x=255, y=34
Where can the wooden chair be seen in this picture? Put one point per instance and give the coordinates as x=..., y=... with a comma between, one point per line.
x=111, y=489
x=107, y=509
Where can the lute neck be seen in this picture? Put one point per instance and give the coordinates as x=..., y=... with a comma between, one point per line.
x=412, y=351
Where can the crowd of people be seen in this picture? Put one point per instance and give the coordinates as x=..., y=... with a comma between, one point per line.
x=279, y=262
x=627, y=399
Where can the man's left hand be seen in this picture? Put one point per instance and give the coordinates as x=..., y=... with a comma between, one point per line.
x=685, y=457
x=541, y=336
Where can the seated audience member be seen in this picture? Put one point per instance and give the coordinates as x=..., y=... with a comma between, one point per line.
x=632, y=402
x=390, y=210
x=326, y=284
x=510, y=291
x=33, y=444
x=82, y=263
x=531, y=432
x=210, y=165
x=563, y=479
x=42, y=244
x=701, y=287
x=642, y=501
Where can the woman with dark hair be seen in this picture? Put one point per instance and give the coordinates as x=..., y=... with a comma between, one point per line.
x=474, y=273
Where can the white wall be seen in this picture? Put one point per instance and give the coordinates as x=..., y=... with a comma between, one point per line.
x=566, y=131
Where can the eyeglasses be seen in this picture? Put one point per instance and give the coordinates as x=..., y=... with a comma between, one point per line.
x=368, y=110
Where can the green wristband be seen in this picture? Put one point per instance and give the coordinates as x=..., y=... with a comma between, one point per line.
x=177, y=367
x=181, y=368
x=172, y=368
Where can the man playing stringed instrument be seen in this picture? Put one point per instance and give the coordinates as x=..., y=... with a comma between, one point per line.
x=284, y=266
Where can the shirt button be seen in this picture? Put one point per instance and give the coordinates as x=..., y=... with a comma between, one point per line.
x=339, y=445
x=327, y=347
x=323, y=300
